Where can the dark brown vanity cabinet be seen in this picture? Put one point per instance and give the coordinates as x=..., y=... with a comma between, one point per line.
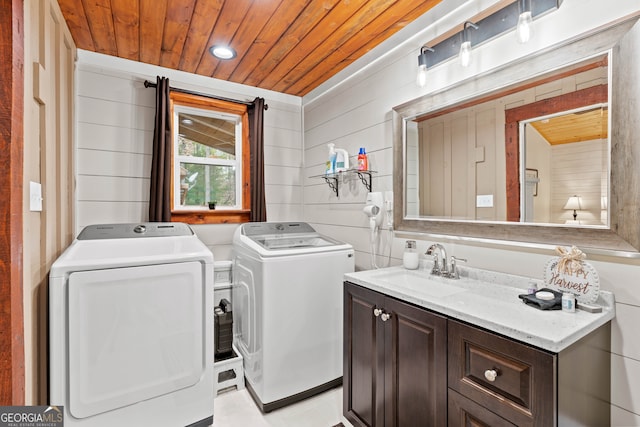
x=394, y=362
x=406, y=366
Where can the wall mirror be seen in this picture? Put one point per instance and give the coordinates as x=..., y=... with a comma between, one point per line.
x=539, y=151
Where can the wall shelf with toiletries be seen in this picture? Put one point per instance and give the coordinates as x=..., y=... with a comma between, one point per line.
x=333, y=179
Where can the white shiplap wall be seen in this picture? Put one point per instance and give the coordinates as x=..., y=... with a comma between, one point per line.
x=353, y=109
x=577, y=170
x=115, y=119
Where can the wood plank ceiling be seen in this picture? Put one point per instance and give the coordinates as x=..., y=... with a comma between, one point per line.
x=289, y=46
x=575, y=127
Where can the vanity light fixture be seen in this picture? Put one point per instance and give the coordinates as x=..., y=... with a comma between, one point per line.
x=574, y=203
x=488, y=26
x=421, y=80
x=222, y=52
x=465, y=47
x=525, y=22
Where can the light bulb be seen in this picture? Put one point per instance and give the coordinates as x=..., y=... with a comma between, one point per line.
x=222, y=52
x=465, y=53
x=421, y=79
x=524, y=28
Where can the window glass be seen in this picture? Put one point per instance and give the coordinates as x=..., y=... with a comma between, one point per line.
x=210, y=160
x=208, y=146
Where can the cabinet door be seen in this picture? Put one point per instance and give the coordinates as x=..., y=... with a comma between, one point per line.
x=415, y=366
x=363, y=357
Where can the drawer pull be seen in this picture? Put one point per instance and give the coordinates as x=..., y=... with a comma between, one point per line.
x=385, y=317
x=491, y=374
x=377, y=312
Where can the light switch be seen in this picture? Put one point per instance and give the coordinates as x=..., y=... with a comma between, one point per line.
x=484, y=201
x=35, y=196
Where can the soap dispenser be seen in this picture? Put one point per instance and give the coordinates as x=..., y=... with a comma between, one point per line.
x=410, y=258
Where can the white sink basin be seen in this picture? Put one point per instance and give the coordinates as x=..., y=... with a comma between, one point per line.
x=419, y=282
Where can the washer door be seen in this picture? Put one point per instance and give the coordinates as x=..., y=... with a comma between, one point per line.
x=134, y=334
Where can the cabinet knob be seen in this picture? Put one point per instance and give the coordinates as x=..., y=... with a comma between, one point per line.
x=385, y=317
x=491, y=374
x=377, y=312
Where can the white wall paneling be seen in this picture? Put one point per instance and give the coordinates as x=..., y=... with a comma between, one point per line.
x=49, y=110
x=353, y=110
x=115, y=131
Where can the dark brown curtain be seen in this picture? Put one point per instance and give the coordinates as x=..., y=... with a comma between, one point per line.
x=160, y=191
x=256, y=142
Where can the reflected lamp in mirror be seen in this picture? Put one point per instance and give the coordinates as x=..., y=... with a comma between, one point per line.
x=574, y=203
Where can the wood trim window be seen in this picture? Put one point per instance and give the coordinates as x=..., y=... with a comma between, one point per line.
x=208, y=112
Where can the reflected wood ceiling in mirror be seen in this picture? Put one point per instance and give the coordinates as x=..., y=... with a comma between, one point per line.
x=576, y=127
x=282, y=45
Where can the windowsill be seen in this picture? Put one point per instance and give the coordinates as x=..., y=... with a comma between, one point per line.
x=211, y=216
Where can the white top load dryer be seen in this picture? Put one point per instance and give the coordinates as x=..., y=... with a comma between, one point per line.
x=287, y=298
x=131, y=328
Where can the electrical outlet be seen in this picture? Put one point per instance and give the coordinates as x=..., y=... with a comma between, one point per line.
x=484, y=201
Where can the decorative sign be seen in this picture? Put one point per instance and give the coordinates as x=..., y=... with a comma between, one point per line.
x=570, y=273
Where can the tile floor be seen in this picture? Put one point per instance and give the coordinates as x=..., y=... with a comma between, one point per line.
x=236, y=409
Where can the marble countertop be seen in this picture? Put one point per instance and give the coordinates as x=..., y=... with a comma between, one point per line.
x=489, y=300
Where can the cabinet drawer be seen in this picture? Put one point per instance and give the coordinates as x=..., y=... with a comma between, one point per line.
x=466, y=412
x=511, y=379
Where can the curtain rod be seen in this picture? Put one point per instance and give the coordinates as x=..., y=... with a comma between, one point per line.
x=148, y=84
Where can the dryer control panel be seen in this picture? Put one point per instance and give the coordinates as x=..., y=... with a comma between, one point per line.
x=129, y=231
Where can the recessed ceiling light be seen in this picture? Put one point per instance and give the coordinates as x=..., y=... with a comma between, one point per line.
x=187, y=122
x=222, y=52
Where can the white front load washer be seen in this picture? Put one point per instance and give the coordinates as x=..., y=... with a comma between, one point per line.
x=287, y=296
x=131, y=327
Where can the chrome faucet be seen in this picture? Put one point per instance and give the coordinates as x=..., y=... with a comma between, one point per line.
x=439, y=257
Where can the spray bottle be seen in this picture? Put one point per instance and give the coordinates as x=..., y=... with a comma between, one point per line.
x=331, y=163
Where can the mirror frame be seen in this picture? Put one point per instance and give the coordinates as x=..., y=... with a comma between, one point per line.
x=621, y=41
